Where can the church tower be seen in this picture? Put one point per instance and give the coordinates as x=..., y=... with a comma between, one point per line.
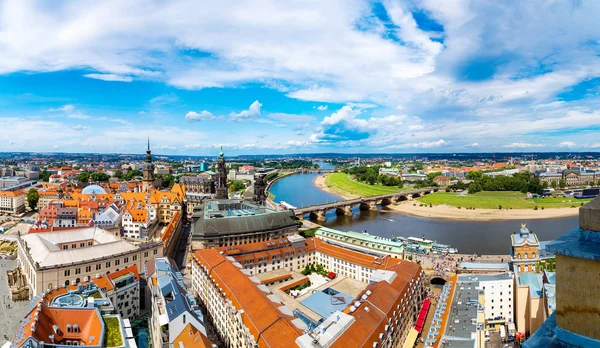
x=222, y=189
x=148, y=171
x=259, y=190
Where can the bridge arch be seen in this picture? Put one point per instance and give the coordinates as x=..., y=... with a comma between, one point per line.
x=438, y=281
x=417, y=195
x=386, y=201
x=402, y=198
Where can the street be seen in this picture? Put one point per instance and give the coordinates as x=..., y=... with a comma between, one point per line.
x=10, y=317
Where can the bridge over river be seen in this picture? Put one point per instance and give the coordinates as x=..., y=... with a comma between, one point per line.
x=364, y=203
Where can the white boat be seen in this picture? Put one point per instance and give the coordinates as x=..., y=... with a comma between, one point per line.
x=286, y=205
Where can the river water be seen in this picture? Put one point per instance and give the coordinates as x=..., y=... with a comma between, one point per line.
x=480, y=237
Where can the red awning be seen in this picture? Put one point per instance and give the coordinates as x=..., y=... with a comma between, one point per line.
x=422, y=315
x=331, y=275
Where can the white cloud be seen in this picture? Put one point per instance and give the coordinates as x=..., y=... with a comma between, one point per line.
x=567, y=144
x=522, y=145
x=252, y=112
x=322, y=107
x=109, y=77
x=472, y=145
x=79, y=127
x=202, y=116
x=65, y=108
x=142, y=112
x=422, y=145
x=291, y=118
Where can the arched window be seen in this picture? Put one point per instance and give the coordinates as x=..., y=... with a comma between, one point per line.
x=526, y=256
x=519, y=255
x=533, y=255
x=520, y=268
x=67, y=282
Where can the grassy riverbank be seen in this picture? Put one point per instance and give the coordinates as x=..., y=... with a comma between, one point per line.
x=495, y=199
x=342, y=184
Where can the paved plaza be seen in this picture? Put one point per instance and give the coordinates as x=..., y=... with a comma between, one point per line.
x=9, y=317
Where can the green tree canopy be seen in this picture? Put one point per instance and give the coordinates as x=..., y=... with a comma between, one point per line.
x=83, y=177
x=33, y=198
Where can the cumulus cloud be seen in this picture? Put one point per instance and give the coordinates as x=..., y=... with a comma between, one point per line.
x=252, y=112
x=322, y=107
x=567, y=144
x=204, y=115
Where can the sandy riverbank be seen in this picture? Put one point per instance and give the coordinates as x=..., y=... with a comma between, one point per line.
x=320, y=183
x=453, y=213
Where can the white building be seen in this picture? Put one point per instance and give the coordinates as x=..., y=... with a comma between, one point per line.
x=51, y=259
x=12, y=202
x=139, y=218
x=499, y=293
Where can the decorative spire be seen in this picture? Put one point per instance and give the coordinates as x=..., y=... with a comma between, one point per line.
x=221, y=154
x=148, y=152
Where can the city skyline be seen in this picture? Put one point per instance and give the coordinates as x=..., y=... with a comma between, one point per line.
x=335, y=77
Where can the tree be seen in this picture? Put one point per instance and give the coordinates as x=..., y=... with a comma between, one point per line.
x=474, y=188
x=236, y=185
x=45, y=175
x=118, y=174
x=33, y=198
x=83, y=177
x=99, y=176
x=553, y=184
x=167, y=181
x=561, y=183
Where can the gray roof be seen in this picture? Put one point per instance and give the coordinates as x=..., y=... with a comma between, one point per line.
x=228, y=216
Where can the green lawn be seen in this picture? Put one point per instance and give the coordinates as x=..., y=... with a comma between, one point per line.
x=492, y=200
x=113, y=336
x=341, y=183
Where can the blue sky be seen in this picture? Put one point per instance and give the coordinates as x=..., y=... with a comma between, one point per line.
x=307, y=76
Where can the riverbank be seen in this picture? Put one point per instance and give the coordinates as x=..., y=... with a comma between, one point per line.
x=320, y=182
x=452, y=213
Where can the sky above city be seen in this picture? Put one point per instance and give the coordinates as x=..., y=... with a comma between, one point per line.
x=268, y=77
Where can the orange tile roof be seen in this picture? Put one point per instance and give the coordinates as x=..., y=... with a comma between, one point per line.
x=276, y=279
x=269, y=326
x=382, y=302
x=191, y=337
x=131, y=269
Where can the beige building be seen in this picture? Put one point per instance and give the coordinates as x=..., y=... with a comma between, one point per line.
x=525, y=252
x=363, y=241
x=53, y=259
x=12, y=202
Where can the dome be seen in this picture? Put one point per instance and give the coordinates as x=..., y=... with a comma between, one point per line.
x=93, y=189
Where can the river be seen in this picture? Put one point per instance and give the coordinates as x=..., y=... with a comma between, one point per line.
x=481, y=237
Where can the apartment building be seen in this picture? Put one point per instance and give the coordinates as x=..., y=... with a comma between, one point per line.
x=246, y=314
x=363, y=241
x=175, y=315
x=12, y=202
x=498, y=291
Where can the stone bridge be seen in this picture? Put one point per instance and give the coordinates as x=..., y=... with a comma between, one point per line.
x=366, y=203
x=309, y=170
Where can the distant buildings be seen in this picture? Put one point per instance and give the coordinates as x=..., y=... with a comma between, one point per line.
x=395, y=172
x=176, y=320
x=572, y=177
x=230, y=222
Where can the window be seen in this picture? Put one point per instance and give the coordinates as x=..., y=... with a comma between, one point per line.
x=65, y=247
x=81, y=245
x=67, y=272
x=155, y=251
x=73, y=246
x=98, y=267
x=146, y=254
x=126, y=260
x=88, y=269
x=108, y=264
x=77, y=270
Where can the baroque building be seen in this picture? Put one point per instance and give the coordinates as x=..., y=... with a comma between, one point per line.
x=221, y=177
x=148, y=170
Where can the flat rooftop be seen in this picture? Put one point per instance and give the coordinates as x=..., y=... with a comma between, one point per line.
x=461, y=327
x=327, y=301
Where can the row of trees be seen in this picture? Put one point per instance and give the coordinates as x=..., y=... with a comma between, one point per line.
x=371, y=176
x=524, y=182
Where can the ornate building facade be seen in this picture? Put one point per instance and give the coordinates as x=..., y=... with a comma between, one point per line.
x=525, y=250
x=222, y=189
x=260, y=187
x=148, y=177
